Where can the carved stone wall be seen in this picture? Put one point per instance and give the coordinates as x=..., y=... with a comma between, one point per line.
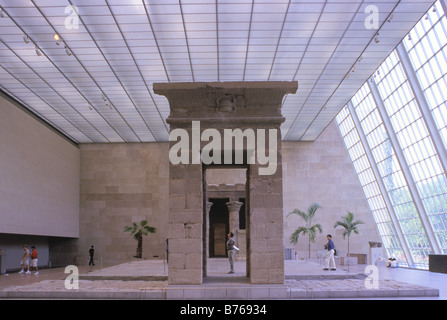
x=221, y=106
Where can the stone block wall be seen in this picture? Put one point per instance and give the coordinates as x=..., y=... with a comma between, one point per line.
x=122, y=184
x=322, y=172
x=185, y=224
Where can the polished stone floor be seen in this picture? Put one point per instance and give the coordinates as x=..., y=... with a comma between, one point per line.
x=147, y=279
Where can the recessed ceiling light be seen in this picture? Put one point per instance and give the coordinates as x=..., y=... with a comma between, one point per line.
x=26, y=39
x=38, y=52
x=376, y=38
x=390, y=18
x=56, y=37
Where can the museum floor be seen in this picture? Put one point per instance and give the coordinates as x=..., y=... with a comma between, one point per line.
x=147, y=279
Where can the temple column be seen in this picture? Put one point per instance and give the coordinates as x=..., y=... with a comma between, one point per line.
x=233, y=210
x=208, y=208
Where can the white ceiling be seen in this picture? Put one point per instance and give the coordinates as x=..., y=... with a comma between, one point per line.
x=103, y=92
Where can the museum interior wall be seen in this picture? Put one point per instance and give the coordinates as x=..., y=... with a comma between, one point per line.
x=125, y=183
x=39, y=185
x=92, y=191
x=322, y=172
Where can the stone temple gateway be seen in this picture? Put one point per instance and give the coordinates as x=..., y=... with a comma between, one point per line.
x=211, y=114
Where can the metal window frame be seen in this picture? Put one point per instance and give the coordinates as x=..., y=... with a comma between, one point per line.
x=381, y=185
x=423, y=105
x=433, y=242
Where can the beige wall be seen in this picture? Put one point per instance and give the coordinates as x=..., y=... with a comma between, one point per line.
x=43, y=176
x=39, y=177
x=123, y=183
x=322, y=172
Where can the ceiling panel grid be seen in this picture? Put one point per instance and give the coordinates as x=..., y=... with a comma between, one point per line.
x=95, y=84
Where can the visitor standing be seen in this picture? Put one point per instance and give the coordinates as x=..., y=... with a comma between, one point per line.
x=231, y=250
x=91, y=252
x=34, y=260
x=25, y=260
x=330, y=253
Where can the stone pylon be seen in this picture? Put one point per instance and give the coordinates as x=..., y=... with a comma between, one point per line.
x=205, y=119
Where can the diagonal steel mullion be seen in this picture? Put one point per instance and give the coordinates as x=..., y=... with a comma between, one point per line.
x=279, y=39
x=156, y=40
x=380, y=184
x=49, y=85
x=117, y=78
x=335, y=90
x=138, y=68
x=186, y=38
x=63, y=74
x=321, y=73
x=85, y=69
x=80, y=63
x=298, y=68
x=248, y=38
x=217, y=40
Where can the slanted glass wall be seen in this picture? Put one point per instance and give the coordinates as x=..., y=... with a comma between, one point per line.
x=395, y=130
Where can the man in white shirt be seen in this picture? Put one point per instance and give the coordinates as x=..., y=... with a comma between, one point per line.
x=25, y=260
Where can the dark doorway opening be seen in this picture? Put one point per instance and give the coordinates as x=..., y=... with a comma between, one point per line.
x=219, y=228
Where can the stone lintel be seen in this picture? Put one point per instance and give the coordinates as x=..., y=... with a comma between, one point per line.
x=228, y=85
x=253, y=103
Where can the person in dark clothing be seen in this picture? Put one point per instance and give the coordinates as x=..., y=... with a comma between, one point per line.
x=91, y=253
x=330, y=247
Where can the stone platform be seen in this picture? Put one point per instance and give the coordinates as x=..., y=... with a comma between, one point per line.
x=139, y=270
x=304, y=280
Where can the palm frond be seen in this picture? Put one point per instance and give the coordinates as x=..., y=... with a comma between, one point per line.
x=130, y=229
x=341, y=224
x=348, y=224
x=313, y=209
x=143, y=223
x=296, y=234
x=138, y=230
x=308, y=228
x=299, y=213
x=148, y=229
x=309, y=215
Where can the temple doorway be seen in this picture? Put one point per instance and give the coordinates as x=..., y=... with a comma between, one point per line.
x=225, y=191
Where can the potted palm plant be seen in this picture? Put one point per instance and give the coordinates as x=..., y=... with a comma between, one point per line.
x=138, y=231
x=347, y=222
x=308, y=229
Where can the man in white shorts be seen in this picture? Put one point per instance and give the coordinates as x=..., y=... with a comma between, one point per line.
x=25, y=260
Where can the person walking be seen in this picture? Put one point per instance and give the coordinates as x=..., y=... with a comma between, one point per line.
x=231, y=250
x=34, y=260
x=25, y=260
x=91, y=252
x=330, y=253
